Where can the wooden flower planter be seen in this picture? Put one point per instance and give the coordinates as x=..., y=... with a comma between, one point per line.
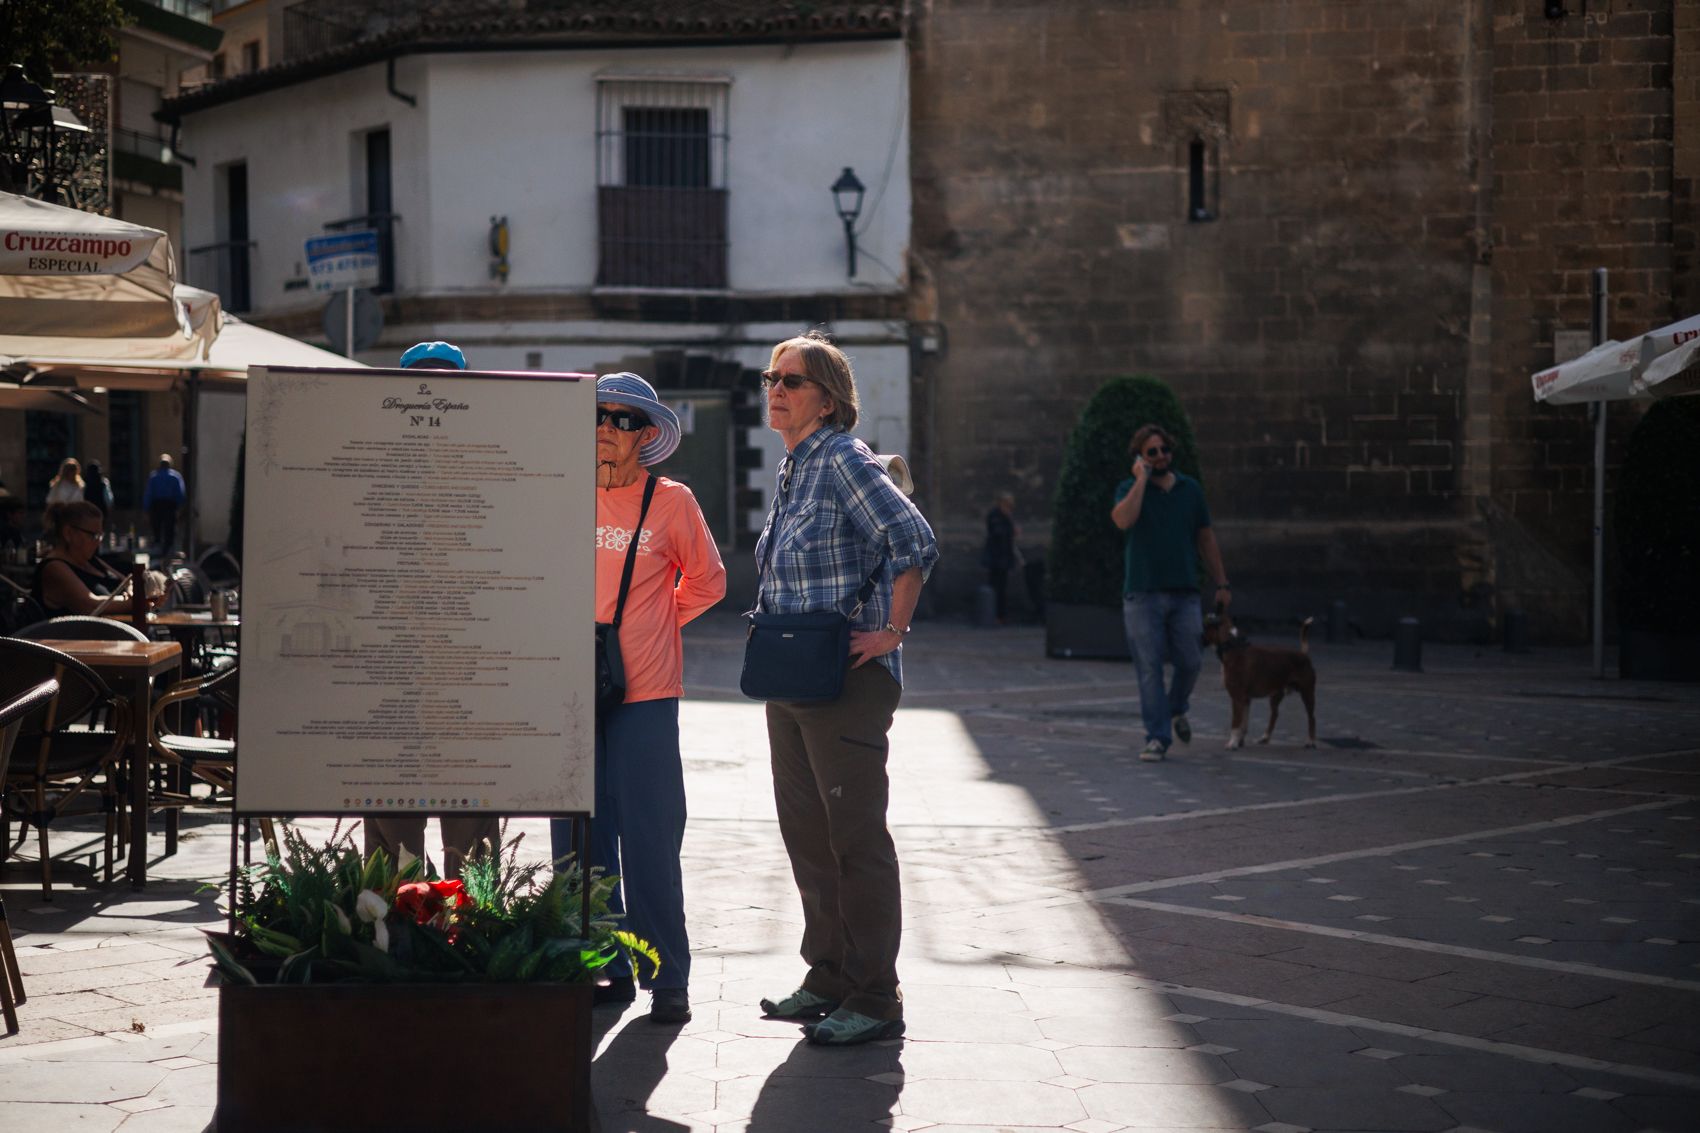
x=412, y=1058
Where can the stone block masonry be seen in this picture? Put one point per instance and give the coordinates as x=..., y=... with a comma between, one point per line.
x=1401, y=205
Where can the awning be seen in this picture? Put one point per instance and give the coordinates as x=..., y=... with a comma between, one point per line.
x=123, y=306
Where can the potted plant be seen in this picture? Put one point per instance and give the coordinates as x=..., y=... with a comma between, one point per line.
x=346, y=978
x=1084, y=567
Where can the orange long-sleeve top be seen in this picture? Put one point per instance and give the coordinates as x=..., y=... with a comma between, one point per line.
x=675, y=544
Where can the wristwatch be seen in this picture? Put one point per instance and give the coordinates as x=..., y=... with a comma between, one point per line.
x=889, y=628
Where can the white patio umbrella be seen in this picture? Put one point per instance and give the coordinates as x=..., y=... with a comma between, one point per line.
x=1605, y=373
x=77, y=284
x=1671, y=363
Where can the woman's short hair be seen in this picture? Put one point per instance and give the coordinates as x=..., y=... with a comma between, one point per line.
x=71, y=513
x=828, y=367
x=1144, y=433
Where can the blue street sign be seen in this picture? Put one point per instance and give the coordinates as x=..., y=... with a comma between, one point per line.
x=347, y=259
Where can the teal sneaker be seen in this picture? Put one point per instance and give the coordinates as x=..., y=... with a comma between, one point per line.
x=799, y=1004
x=850, y=1028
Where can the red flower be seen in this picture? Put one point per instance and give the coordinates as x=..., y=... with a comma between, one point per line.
x=427, y=901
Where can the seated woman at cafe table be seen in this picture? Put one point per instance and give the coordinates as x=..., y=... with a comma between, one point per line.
x=70, y=579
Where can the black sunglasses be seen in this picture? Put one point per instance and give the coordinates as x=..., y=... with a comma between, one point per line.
x=1159, y=450
x=622, y=419
x=771, y=378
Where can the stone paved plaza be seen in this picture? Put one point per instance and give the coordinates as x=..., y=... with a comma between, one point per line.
x=1473, y=907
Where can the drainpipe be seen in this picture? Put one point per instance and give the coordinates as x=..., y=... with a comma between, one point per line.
x=389, y=83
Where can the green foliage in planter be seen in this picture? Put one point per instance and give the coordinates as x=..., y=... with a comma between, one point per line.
x=322, y=914
x=1084, y=566
x=1658, y=520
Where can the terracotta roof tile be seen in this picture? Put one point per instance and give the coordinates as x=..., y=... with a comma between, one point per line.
x=384, y=29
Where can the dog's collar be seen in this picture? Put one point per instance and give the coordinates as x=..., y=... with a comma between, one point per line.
x=1233, y=643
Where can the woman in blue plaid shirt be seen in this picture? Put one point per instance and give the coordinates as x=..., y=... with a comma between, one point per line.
x=838, y=519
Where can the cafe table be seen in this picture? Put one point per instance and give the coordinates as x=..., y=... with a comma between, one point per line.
x=129, y=668
x=187, y=628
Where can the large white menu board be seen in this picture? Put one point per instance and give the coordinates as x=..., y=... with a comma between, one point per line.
x=418, y=593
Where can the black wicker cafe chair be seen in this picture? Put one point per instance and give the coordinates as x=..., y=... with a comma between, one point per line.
x=61, y=765
x=12, y=715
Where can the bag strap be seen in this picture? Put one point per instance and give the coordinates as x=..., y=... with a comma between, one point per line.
x=865, y=592
x=631, y=552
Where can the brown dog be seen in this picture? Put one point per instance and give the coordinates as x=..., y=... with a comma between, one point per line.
x=1253, y=672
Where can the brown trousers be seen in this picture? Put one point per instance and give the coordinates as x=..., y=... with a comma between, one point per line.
x=460, y=834
x=829, y=781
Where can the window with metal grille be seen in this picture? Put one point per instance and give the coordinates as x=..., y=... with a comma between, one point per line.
x=661, y=182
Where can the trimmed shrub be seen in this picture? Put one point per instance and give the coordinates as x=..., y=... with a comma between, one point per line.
x=1084, y=566
x=1658, y=520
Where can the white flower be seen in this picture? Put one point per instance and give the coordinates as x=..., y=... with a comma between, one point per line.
x=370, y=907
x=342, y=919
x=382, y=940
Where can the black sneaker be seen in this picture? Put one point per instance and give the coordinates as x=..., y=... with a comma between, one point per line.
x=621, y=990
x=669, y=1005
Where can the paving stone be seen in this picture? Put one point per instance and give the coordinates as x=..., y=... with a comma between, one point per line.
x=61, y=1082
x=1012, y=1103
x=1120, y=1064
x=978, y=1062
x=42, y=1117
x=795, y=1102
x=1535, y=1114
x=1146, y=1106
x=1349, y=1107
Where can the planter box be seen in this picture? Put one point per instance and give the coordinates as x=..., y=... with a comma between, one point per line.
x=419, y=1058
x=1092, y=632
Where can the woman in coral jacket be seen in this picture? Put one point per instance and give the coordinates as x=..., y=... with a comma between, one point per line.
x=639, y=827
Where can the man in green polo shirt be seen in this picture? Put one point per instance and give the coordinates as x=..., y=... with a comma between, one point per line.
x=1168, y=532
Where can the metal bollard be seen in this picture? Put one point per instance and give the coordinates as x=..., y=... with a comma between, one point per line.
x=1408, y=645
x=1337, y=628
x=1516, y=631
x=985, y=606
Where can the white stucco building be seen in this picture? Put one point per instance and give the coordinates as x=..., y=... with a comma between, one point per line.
x=665, y=185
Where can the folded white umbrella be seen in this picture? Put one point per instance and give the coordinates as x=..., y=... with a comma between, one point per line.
x=1673, y=360
x=1605, y=373
x=79, y=285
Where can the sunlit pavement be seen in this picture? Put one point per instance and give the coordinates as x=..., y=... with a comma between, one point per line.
x=1473, y=907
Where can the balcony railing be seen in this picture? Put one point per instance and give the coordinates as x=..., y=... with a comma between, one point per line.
x=661, y=237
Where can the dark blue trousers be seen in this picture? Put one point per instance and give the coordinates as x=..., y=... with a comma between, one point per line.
x=639, y=830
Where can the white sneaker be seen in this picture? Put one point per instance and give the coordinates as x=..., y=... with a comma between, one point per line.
x=1152, y=752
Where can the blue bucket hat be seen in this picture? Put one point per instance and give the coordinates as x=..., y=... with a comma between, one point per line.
x=630, y=390
x=432, y=355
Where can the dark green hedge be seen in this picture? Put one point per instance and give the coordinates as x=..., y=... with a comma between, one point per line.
x=1658, y=520
x=1084, y=566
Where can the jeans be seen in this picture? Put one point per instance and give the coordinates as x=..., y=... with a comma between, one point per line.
x=638, y=832
x=1164, y=626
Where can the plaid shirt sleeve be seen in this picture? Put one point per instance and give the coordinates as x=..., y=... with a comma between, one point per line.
x=888, y=523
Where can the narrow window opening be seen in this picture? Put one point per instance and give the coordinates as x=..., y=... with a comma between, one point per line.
x=1199, y=182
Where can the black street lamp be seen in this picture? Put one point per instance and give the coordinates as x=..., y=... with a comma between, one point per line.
x=847, y=197
x=36, y=138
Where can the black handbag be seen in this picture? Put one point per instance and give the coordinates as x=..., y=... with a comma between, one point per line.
x=610, y=667
x=797, y=657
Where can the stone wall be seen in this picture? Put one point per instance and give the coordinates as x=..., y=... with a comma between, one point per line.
x=1350, y=319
